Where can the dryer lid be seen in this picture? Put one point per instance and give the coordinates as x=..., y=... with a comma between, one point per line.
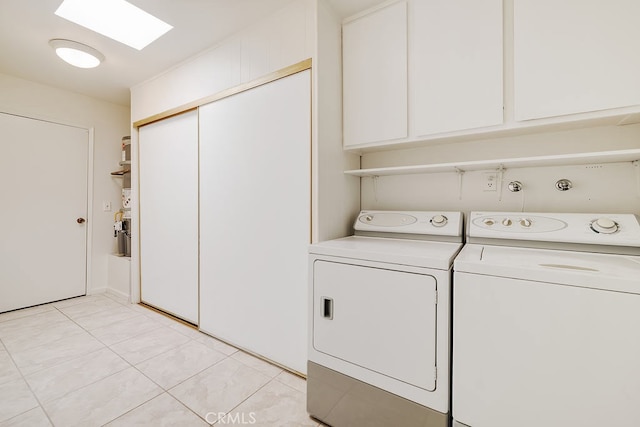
x=599, y=271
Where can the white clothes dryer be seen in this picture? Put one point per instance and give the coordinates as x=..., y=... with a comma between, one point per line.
x=546, y=310
x=379, y=348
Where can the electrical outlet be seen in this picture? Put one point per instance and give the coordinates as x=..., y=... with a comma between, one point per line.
x=490, y=182
x=106, y=206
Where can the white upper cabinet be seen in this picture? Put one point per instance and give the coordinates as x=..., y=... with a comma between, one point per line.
x=455, y=72
x=418, y=68
x=375, y=76
x=575, y=56
x=419, y=72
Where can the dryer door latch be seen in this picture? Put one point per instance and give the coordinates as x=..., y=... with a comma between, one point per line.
x=327, y=307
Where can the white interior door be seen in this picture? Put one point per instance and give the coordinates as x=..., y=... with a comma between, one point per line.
x=169, y=215
x=255, y=213
x=44, y=169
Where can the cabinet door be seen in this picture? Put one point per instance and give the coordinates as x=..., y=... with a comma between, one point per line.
x=255, y=218
x=375, y=76
x=575, y=56
x=456, y=65
x=169, y=215
x=357, y=308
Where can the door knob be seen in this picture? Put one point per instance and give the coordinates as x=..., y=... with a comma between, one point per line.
x=80, y=220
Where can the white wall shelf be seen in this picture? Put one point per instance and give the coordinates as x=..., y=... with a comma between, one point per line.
x=519, y=162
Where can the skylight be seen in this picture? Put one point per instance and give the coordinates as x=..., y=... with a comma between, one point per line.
x=116, y=19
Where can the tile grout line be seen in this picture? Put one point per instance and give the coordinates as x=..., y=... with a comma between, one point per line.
x=128, y=338
x=258, y=389
x=24, y=379
x=136, y=368
x=144, y=403
x=52, y=342
x=151, y=357
x=141, y=404
x=191, y=339
x=164, y=390
x=167, y=391
x=40, y=403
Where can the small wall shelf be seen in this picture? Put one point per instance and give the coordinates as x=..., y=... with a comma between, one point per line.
x=120, y=172
x=618, y=156
x=124, y=170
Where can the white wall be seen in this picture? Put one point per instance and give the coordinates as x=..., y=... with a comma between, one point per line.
x=110, y=123
x=336, y=195
x=597, y=188
x=282, y=39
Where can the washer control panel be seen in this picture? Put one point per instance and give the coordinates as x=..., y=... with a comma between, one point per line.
x=601, y=229
x=510, y=223
x=410, y=222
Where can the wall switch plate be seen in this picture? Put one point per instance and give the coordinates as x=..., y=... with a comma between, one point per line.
x=106, y=206
x=490, y=182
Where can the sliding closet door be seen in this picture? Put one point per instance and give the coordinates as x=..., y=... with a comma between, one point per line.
x=255, y=218
x=169, y=215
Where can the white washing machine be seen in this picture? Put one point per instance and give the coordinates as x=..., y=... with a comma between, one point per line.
x=546, y=318
x=380, y=308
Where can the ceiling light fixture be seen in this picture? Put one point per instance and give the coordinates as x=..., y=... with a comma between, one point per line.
x=116, y=19
x=76, y=54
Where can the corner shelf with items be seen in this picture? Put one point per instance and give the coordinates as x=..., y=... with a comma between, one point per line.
x=122, y=218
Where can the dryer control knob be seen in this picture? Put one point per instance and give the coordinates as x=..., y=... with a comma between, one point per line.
x=488, y=221
x=439, y=220
x=604, y=225
x=525, y=222
x=507, y=222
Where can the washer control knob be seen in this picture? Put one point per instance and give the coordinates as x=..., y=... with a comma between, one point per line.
x=439, y=220
x=525, y=222
x=507, y=222
x=604, y=225
x=368, y=218
x=488, y=221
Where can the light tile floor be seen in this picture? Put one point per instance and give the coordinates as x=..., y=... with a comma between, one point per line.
x=96, y=360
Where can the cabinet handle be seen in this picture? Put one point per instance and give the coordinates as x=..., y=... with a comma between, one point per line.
x=327, y=308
